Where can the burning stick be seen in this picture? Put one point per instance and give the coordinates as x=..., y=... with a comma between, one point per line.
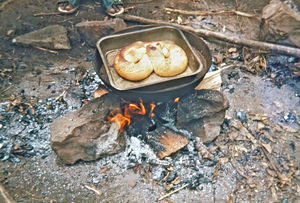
x=168, y=194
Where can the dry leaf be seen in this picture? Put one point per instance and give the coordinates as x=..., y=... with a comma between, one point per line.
x=271, y=172
x=274, y=195
x=233, y=49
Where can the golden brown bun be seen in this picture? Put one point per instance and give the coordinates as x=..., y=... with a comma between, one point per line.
x=138, y=60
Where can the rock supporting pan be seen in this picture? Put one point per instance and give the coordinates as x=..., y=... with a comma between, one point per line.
x=162, y=90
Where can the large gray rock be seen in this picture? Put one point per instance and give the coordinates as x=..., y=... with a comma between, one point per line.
x=86, y=134
x=92, y=31
x=202, y=113
x=279, y=21
x=51, y=37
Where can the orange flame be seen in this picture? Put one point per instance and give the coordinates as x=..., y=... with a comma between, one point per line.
x=120, y=120
x=130, y=109
x=151, y=110
x=176, y=99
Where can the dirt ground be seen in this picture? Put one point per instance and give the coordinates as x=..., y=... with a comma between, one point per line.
x=245, y=172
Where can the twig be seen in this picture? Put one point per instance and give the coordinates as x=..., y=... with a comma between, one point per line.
x=7, y=89
x=61, y=95
x=45, y=14
x=47, y=50
x=168, y=194
x=205, y=13
x=98, y=192
x=238, y=170
x=6, y=195
x=5, y=4
x=220, y=36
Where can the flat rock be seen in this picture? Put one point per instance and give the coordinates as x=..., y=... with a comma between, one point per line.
x=86, y=134
x=202, y=113
x=51, y=37
x=92, y=31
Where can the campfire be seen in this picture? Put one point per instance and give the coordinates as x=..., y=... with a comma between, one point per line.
x=123, y=117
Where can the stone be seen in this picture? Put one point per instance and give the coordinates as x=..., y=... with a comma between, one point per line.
x=294, y=37
x=202, y=113
x=51, y=37
x=278, y=21
x=86, y=134
x=92, y=31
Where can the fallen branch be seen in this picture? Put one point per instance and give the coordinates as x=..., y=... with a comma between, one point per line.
x=205, y=13
x=7, y=89
x=4, y=4
x=46, y=14
x=170, y=193
x=217, y=35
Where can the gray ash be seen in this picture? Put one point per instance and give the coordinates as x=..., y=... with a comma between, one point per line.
x=25, y=129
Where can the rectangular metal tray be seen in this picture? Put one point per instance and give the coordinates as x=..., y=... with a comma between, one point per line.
x=109, y=46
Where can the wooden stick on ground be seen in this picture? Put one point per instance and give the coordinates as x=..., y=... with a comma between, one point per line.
x=46, y=14
x=47, y=50
x=5, y=195
x=167, y=195
x=219, y=36
x=4, y=4
x=205, y=13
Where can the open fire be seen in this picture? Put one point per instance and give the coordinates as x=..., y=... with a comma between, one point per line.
x=123, y=117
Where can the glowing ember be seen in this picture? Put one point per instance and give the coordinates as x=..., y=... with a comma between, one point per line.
x=123, y=119
x=176, y=99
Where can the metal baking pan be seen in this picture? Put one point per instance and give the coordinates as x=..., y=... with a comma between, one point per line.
x=109, y=46
x=165, y=91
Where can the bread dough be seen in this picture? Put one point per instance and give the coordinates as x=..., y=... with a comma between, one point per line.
x=138, y=60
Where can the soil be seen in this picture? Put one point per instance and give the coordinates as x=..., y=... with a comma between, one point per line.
x=243, y=172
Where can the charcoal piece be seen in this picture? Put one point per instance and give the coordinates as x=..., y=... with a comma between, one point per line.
x=166, y=112
x=202, y=113
x=86, y=134
x=140, y=125
x=195, y=181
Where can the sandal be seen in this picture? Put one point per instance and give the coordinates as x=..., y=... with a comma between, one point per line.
x=113, y=7
x=67, y=6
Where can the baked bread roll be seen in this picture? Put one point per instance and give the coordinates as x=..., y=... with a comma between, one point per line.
x=138, y=60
